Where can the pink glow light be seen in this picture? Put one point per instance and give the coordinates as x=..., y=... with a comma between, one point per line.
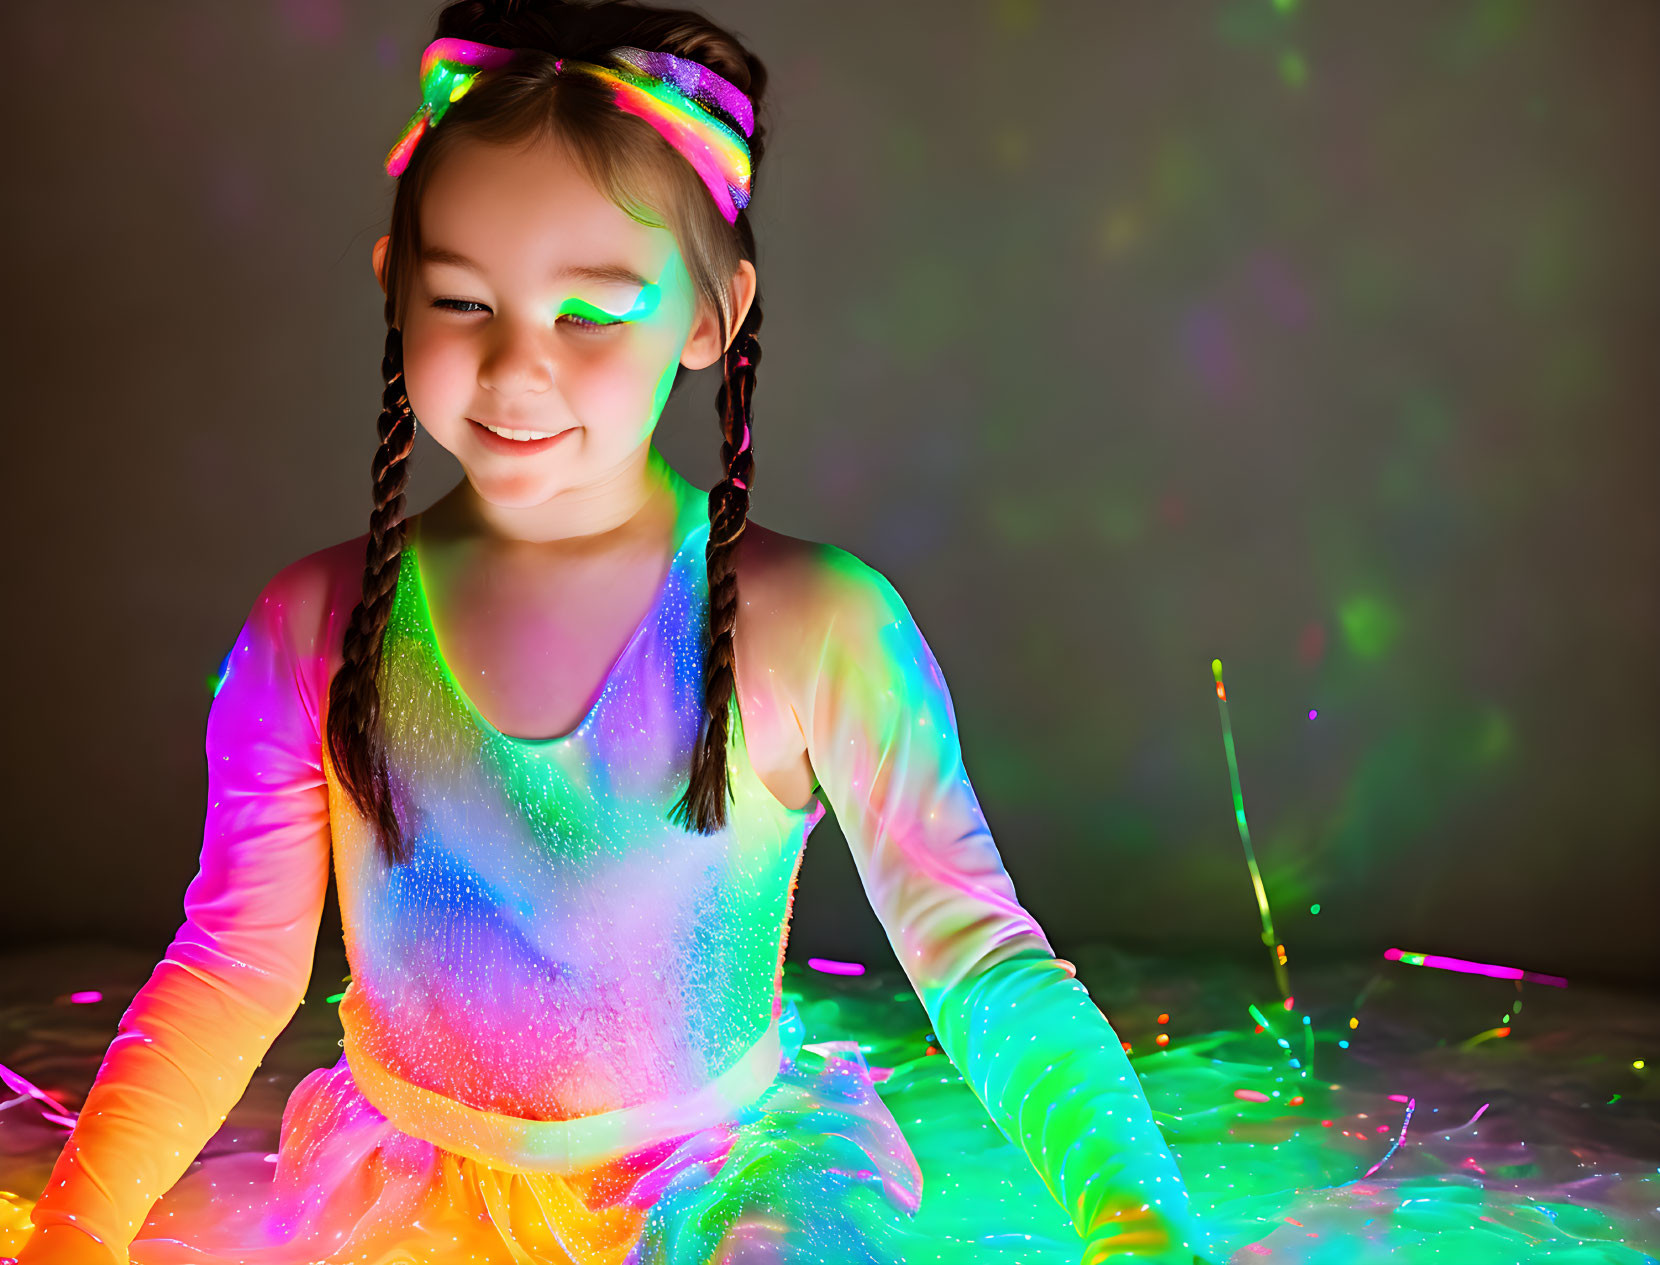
x=831, y=967
x=1472, y=968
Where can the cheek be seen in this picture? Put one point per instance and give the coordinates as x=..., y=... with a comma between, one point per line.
x=620, y=385
x=439, y=371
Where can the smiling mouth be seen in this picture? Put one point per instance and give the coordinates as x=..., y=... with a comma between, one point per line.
x=519, y=436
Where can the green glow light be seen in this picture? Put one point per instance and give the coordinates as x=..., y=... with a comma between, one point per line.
x=1276, y=950
x=1370, y=625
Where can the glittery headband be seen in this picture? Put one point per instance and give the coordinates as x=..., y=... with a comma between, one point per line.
x=676, y=96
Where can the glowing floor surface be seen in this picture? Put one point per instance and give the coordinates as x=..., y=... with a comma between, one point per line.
x=1539, y=1144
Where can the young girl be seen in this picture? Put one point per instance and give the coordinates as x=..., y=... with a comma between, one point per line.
x=561, y=737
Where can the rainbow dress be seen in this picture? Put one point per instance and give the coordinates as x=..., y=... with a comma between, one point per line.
x=565, y=1036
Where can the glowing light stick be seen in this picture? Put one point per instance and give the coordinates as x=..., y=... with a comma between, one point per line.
x=1276, y=949
x=54, y=1111
x=1472, y=968
x=832, y=967
x=1489, y=1035
x=1411, y=1104
x=1269, y=938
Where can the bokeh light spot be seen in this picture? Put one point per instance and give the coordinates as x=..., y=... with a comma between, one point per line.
x=1370, y=625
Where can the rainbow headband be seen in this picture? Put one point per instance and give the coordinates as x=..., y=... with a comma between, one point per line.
x=676, y=96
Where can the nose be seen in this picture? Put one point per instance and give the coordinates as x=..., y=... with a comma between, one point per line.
x=518, y=358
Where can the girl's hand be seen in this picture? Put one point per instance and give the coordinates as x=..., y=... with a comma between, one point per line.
x=59, y=1244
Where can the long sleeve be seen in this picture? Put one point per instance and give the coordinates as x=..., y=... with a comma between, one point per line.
x=237, y=969
x=883, y=742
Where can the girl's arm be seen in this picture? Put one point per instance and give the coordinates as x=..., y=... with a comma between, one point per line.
x=882, y=739
x=237, y=970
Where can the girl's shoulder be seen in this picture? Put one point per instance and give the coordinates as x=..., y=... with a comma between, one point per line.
x=795, y=594
x=808, y=576
x=307, y=604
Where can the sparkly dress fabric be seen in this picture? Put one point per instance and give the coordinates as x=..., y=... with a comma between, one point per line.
x=565, y=1036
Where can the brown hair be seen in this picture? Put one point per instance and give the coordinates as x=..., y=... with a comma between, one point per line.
x=629, y=162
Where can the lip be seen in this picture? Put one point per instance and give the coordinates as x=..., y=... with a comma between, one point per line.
x=516, y=447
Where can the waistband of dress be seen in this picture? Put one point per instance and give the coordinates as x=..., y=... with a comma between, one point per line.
x=521, y=1145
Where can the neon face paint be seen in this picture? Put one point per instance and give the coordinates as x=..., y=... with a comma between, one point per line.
x=649, y=299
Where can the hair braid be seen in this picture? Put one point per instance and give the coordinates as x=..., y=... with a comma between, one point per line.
x=703, y=806
x=356, y=738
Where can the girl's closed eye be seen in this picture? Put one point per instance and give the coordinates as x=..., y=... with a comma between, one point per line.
x=581, y=322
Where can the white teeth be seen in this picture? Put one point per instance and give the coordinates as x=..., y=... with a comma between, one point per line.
x=520, y=434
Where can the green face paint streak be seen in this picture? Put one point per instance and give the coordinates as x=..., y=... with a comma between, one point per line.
x=647, y=302
x=660, y=393
x=675, y=276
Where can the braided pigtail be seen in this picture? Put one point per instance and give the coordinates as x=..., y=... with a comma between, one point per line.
x=703, y=807
x=356, y=738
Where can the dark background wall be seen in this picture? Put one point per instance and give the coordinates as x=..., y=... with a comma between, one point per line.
x=1119, y=336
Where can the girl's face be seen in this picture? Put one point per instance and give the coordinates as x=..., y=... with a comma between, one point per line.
x=540, y=306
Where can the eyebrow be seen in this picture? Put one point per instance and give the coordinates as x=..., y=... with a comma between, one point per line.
x=579, y=272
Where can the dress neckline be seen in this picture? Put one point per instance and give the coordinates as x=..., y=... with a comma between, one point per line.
x=411, y=550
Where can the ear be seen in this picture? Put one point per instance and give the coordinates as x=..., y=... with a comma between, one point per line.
x=380, y=261
x=703, y=344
